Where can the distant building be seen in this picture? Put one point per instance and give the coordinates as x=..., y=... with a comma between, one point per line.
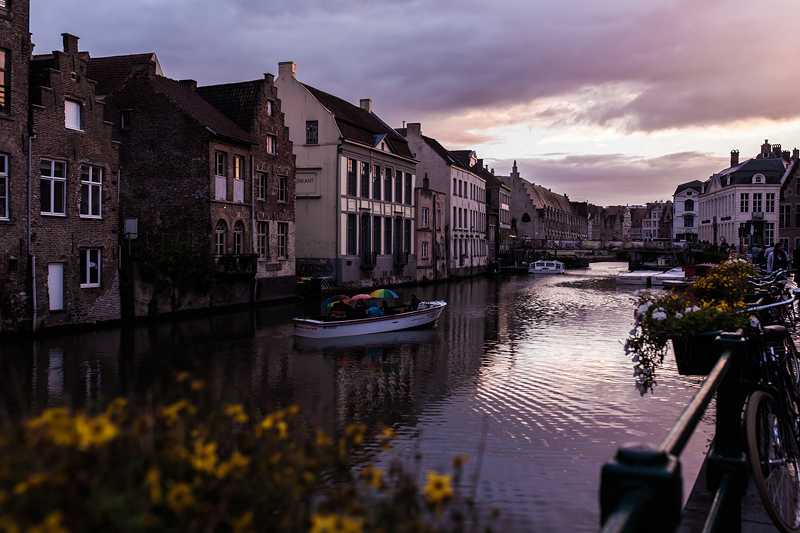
x=739, y=205
x=355, y=188
x=498, y=215
x=685, y=205
x=657, y=221
x=430, y=232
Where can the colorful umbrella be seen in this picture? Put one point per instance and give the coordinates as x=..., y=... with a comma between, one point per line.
x=360, y=297
x=383, y=293
x=333, y=299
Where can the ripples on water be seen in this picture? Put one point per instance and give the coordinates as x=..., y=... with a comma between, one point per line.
x=533, y=367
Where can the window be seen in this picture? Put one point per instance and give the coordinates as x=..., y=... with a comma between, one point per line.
x=756, y=202
x=424, y=250
x=408, y=189
x=688, y=205
x=376, y=182
x=785, y=217
x=398, y=187
x=238, y=238
x=283, y=189
x=424, y=218
x=688, y=221
x=526, y=217
x=351, y=177
x=222, y=164
x=55, y=285
x=131, y=229
x=283, y=240
x=460, y=190
x=262, y=238
x=72, y=115
x=455, y=187
x=261, y=185
x=387, y=236
x=4, y=85
x=91, y=191
x=219, y=237
x=376, y=235
x=770, y=202
x=90, y=267
x=351, y=234
x=125, y=119
x=238, y=167
x=769, y=232
x=272, y=144
x=270, y=108
x=364, y=180
x=438, y=219
x=53, y=187
x=407, y=236
x=366, y=235
x=398, y=235
x=744, y=203
x=387, y=184
x=455, y=210
x=312, y=132
x=3, y=187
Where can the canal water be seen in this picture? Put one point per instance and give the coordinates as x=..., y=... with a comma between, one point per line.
x=526, y=375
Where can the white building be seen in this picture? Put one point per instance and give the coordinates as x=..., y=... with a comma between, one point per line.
x=744, y=196
x=355, y=188
x=685, y=202
x=465, y=200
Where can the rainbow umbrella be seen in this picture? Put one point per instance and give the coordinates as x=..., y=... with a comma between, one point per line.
x=382, y=293
x=333, y=299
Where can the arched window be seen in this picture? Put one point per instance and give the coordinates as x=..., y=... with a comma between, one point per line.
x=219, y=237
x=526, y=217
x=513, y=223
x=688, y=205
x=238, y=237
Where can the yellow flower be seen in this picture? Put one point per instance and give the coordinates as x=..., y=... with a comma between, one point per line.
x=172, y=412
x=183, y=376
x=236, y=412
x=198, y=385
x=438, y=487
x=7, y=525
x=323, y=523
x=237, y=461
x=205, y=456
x=51, y=524
x=153, y=481
x=116, y=407
x=373, y=476
x=356, y=432
x=323, y=439
x=180, y=498
x=243, y=523
x=94, y=431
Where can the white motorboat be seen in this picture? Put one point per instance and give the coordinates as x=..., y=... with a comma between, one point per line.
x=674, y=274
x=323, y=327
x=546, y=267
x=637, y=277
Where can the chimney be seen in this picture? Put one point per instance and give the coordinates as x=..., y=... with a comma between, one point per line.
x=765, y=149
x=191, y=84
x=287, y=69
x=795, y=154
x=70, y=43
x=492, y=172
x=734, y=157
x=413, y=129
x=426, y=182
x=269, y=77
x=366, y=105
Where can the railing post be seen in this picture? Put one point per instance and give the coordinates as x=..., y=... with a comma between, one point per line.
x=727, y=457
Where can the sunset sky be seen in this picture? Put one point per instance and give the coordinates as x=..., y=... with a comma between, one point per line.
x=611, y=102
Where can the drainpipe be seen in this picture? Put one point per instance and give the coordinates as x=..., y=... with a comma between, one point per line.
x=31, y=257
x=253, y=219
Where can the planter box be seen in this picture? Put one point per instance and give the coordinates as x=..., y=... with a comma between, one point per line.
x=694, y=354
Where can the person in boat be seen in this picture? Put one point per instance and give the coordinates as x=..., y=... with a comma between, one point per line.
x=386, y=309
x=361, y=310
x=778, y=259
x=374, y=310
x=413, y=305
x=338, y=312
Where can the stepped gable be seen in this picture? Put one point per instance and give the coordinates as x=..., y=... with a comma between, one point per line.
x=237, y=101
x=204, y=112
x=359, y=125
x=112, y=71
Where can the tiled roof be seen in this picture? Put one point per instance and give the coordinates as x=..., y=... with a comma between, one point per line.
x=110, y=72
x=773, y=170
x=358, y=125
x=207, y=114
x=447, y=156
x=696, y=185
x=237, y=101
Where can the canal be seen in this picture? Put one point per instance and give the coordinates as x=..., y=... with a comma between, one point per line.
x=526, y=375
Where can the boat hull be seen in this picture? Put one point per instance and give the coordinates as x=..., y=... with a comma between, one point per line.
x=546, y=267
x=320, y=329
x=637, y=277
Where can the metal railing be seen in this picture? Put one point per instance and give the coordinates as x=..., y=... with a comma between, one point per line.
x=641, y=487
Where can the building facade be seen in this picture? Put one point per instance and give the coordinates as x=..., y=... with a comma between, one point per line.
x=685, y=206
x=430, y=233
x=355, y=182
x=465, y=200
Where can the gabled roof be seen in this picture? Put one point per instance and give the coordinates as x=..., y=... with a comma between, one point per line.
x=237, y=101
x=695, y=185
x=359, y=125
x=447, y=156
x=773, y=170
x=195, y=105
x=110, y=72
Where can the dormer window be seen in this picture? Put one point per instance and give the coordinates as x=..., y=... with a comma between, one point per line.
x=759, y=178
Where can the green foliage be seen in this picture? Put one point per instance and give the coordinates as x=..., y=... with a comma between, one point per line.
x=180, y=265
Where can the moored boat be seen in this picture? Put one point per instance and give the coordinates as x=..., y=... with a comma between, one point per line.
x=674, y=274
x=546, y=267
x=323, y=328
x=637, y=277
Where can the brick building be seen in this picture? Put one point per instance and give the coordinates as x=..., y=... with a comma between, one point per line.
x=430, y=233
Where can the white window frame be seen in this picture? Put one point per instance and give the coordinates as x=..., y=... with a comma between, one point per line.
x=262, y=238
x=283, y=189
x=91, y=189
x=770, y=207
x=238, y=237
x=221, y=164
x=272, y=143
x=220, y=236
x=283, y=240
x=424, y=250
x=4, y=215
x=261, y=185
x=238, y=167
x=53, y=181
x=424, y=218
x=87, y=255
x=73, y=115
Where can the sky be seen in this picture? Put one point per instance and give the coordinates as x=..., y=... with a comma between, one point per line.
x=608, y=102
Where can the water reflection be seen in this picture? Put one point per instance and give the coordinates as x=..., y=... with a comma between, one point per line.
x=532, y=367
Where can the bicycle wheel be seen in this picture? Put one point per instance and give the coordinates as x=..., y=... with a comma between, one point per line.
x=773, y=457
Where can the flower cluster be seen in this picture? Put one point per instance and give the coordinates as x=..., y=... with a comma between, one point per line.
x=187, y=465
